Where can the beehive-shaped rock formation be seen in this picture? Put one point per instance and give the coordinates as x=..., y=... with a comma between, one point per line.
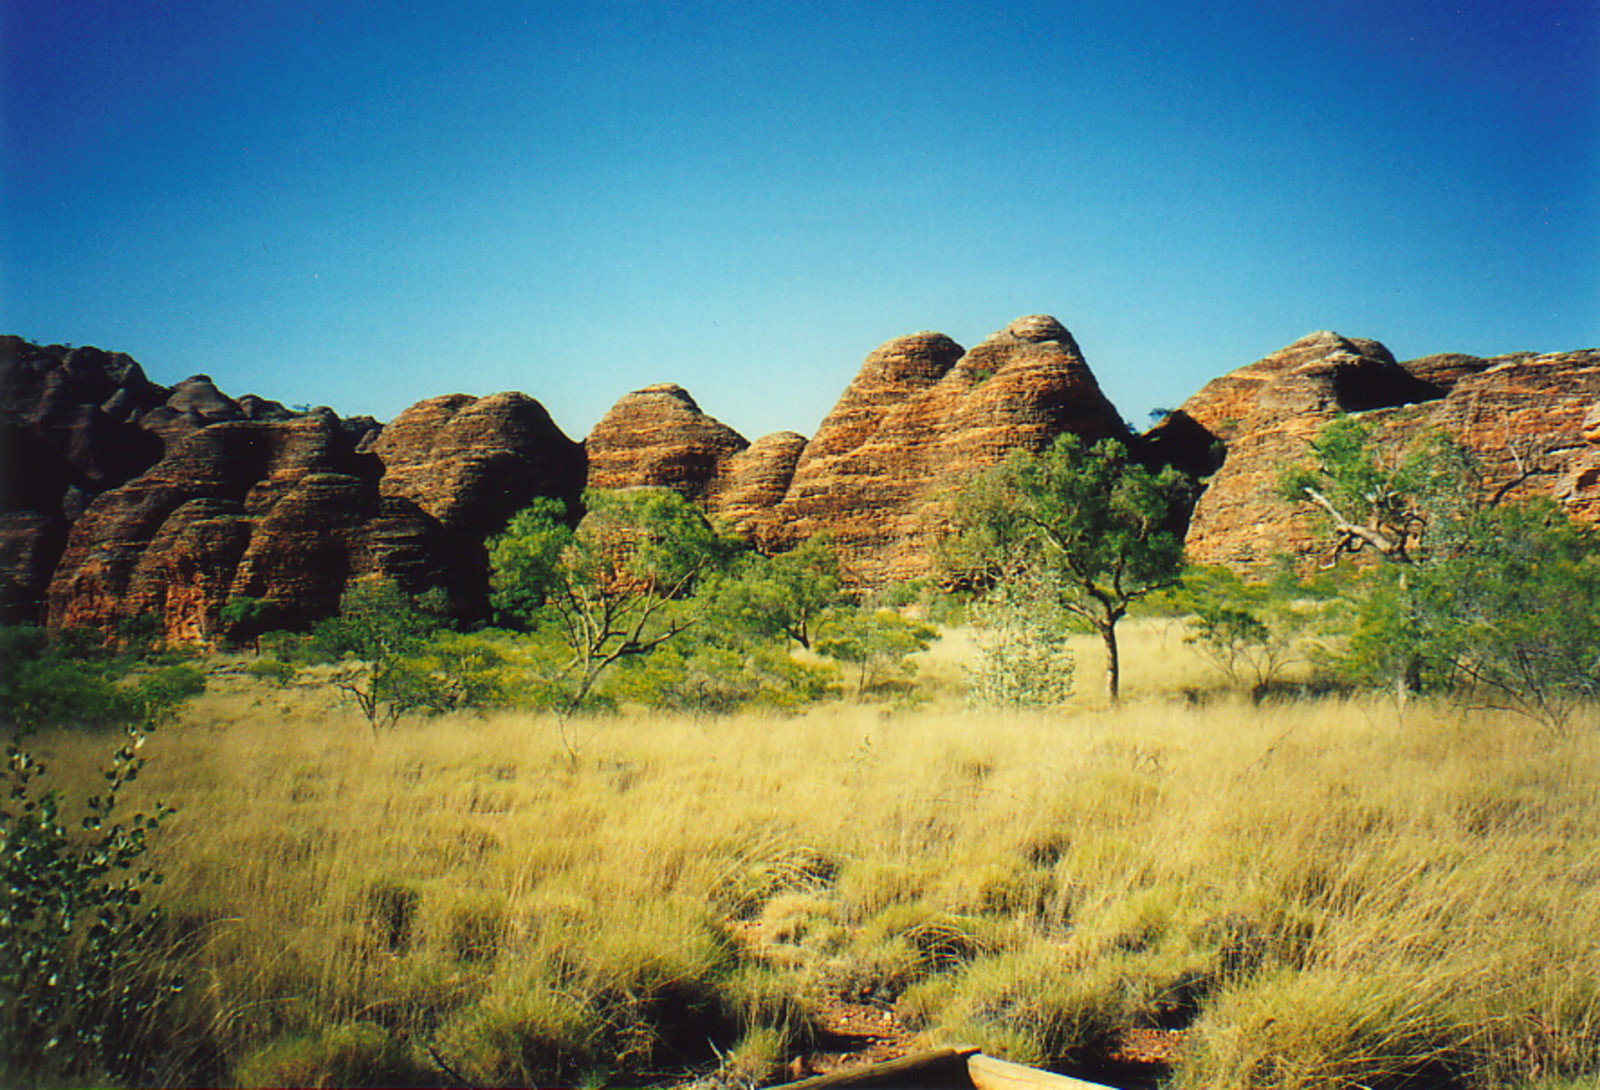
x=918, y=420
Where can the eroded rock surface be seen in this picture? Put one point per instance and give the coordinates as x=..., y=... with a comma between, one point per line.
x=658, y=437
x=68, y=431
x=1514, y=412
x=122, y=500
x=918, y=420
x=747, y=493
x=288, y=511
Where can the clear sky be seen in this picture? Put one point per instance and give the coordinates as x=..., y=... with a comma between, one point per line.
x=362, y=204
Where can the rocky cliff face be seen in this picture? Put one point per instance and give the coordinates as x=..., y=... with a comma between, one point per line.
x=69, y=430
x=918, y=420
x=1514, y=412
x=658, y=437
x=122, y=500
x=1533, y=419
x=747, y=494
x=126, y=501
x=214, y=519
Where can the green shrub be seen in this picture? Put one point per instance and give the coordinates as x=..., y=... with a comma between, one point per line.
x=710, y=677
x=878, y=643
x=1023, y=659
x=79, y=978
x=278, y=673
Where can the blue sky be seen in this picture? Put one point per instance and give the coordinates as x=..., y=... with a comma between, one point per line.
x=363, y=204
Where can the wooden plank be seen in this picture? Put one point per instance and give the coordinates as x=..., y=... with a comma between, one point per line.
x=988, y=1073
x=939, y=1067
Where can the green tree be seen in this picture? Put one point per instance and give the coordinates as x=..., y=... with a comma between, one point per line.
x=1473, y=592
x=877, y=642
x=614, y=587
x=776, y=597
x=1249, y=628
x=1401, y=503
x=1087, y=521
x=245, y=619
x=1515, y=614
x=376, y=637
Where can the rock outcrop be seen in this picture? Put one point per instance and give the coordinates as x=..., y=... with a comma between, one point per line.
x=753, y=483
x=920, y=417
x=68, y=431
x=918, y=420
x=211, y=521
x=123, y=501
x=1514, y=413
x=1533, y=419
x=247, y=500
x=658, y=437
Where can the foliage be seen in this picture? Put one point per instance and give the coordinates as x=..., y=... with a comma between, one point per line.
x=1248, y=628
x=1516, y=615
x=1022, y=637
x=706, y=673
x=1404, y=503
x=924, y=599
x=877, y=642
x=1492, y=598
x=43, y=684
x=454, y=671
x=612, y=585
x=245, y=619
x=76, y=985
x=279, y=673
x=741, y=625
x=782, y=596
x=376, y=636
x=1087, y=520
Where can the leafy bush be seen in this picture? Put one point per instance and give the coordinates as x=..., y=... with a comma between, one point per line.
x=704, y=674
x=1024, y=661
x=782, y=597
x=1248, y=628
x=77, y=974
x=877, y=642
x=1477, y=593
x=376, y=634
x=78, y=978
x=273, y=670
x=612, y=587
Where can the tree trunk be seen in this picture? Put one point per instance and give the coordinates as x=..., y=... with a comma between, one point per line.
x=1108, y=637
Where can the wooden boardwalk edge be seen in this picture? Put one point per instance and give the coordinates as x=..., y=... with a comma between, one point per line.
x=941, y=1068
x=988, y=1073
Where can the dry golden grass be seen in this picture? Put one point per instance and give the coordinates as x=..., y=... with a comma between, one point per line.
x=1330, y=894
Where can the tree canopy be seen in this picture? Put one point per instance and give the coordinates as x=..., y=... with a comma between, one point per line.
x=1088, y=523
x=610, y=584
x=1472, y=591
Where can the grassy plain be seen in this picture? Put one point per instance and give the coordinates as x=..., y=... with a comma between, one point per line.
x=1331, y=893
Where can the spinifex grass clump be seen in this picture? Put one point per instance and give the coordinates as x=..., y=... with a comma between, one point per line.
x=1319, y=895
